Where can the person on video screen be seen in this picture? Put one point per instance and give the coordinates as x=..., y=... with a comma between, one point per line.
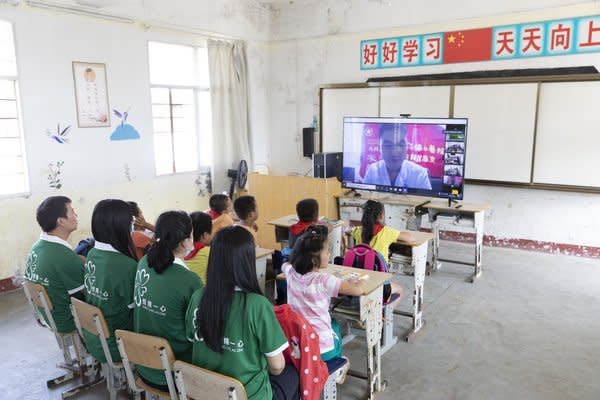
x=394, y=169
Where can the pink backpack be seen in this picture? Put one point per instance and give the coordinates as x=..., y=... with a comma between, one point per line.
x=365, y=257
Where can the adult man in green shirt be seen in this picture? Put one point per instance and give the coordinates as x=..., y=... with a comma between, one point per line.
x=51, y=261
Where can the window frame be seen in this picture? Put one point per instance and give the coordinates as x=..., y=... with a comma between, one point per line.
x=15, y=80
x=196, y=90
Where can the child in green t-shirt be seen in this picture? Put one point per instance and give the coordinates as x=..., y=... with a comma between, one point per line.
x=110, y=272
x=233, y=326
x=197, y=259
x=163, y=288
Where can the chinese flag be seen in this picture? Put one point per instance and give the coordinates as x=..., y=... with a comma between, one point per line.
x=470, y=45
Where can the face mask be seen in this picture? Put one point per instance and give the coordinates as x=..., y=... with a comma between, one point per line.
x=188, y=250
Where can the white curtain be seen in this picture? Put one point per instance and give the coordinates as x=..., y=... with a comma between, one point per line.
x=229, y=98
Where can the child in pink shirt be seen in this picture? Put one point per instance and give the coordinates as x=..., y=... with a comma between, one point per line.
x=309, y=291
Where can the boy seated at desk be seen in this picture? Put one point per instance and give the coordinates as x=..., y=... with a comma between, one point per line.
x=197, y=259
x=247, y=211
x=308, y=214
x=220, y=211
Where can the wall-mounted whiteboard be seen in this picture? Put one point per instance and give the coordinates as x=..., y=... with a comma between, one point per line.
x=568, y=134
x=339, y=103
x=501, y=130
x=418, y=101
x=505, y=142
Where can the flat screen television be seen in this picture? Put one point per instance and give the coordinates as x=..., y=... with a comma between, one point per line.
x=420, y=156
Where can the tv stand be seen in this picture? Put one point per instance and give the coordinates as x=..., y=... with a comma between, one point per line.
x=450, y=202
x=352, y=192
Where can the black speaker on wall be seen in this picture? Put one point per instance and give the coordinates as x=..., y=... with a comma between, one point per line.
x=308, y=142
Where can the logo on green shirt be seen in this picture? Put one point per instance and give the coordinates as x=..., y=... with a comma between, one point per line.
x=90, y=276
x=141, y=279
x=31, y=273
x=89, y=281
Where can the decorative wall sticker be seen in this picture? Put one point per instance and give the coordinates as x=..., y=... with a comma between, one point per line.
x=54, y=178
x=124, y=131
x=60, y=136
x=127, y=172
x=204, y=182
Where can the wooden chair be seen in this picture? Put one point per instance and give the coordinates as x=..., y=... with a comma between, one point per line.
x=92, y=319
x=147, y=351
x=69, y=343
x=201, y=384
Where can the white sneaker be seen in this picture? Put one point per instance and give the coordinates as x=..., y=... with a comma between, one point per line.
x=343, y=372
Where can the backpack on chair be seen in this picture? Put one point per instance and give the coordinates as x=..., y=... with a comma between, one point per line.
x=364, y=256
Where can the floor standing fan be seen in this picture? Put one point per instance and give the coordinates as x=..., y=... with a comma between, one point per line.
x=238, y=177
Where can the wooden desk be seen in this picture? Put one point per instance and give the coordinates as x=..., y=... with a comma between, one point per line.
x=414, y=254
x=282, y=226
x=278, y=195
x=468, y=217
x=261, y=267
x=399, y=209
x=369, y=316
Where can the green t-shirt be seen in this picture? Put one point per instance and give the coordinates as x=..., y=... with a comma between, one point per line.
x=53, y=264
x=109, y=278
x=161, y=301
x=247, y=340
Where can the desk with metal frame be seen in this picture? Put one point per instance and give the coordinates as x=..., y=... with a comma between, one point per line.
x=261, y=266
x=282, y=226
x=413, y=254
x=463, y=217
x=368, y=316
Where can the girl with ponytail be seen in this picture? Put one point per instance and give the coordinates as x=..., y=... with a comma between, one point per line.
x=379, y=237
x=163, y=288
x=375, y=233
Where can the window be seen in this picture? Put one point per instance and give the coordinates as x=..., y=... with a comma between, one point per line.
x=181, y=110
x=13, y=174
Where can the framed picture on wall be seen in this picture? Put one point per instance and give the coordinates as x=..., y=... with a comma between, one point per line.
x=91, y=94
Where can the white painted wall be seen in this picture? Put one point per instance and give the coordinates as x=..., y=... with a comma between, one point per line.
x=328, y=52
x=46, y=44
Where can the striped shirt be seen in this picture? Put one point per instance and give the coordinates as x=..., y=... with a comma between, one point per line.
x=310, y=296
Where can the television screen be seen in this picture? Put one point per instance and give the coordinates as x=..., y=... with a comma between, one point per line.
x=421, y=156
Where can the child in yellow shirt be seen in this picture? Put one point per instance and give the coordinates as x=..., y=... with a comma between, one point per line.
x=220, y=211
x=376, y=234
x=197, y=259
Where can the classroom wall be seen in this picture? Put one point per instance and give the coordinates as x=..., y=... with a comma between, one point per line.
x=95, y=167
x=300, y=66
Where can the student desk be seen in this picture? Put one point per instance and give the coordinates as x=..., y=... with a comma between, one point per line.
x=369, y=316
x=400, y=210
x=405, y=212
x=413, y=253
x=463, y=217
x=261, y=266
x=283, y=224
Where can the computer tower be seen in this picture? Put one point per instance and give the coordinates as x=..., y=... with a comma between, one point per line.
x=326, y=165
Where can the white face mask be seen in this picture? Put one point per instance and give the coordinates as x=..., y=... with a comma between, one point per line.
x=188, y=250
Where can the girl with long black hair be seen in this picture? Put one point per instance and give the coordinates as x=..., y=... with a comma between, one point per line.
x=163, y=288
x=110, y=272
x=234, y=326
